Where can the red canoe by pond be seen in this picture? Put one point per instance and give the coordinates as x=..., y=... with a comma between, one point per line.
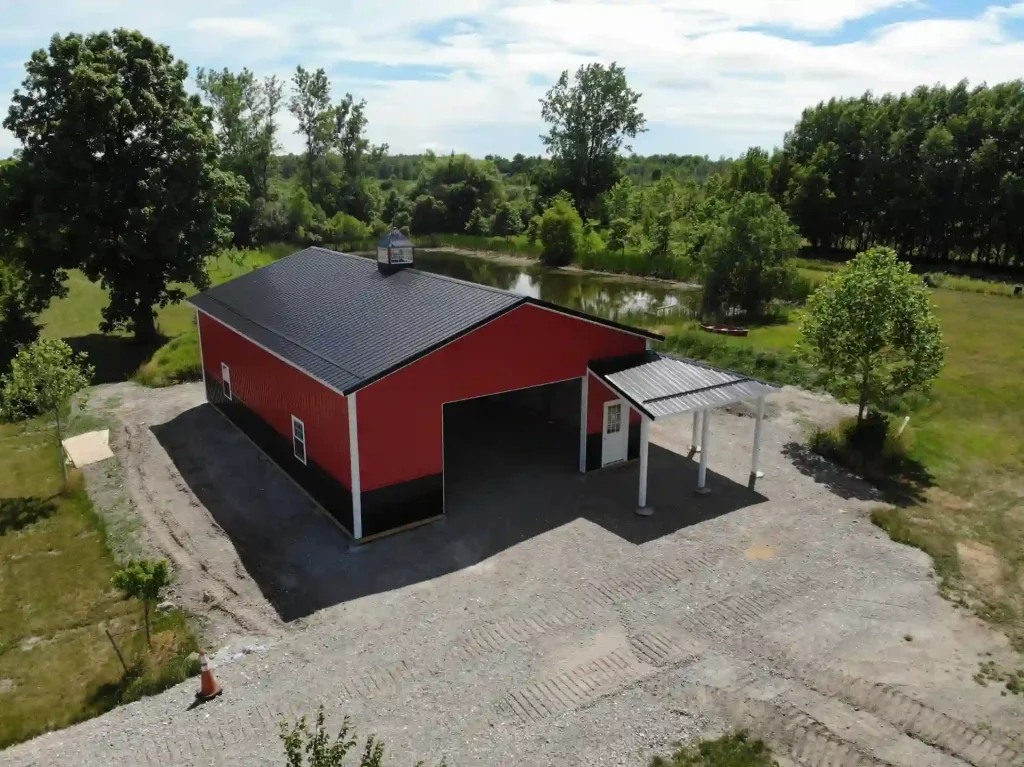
x=725, y=330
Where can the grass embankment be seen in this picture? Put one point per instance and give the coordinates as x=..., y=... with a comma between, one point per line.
x=117, y=356
x=967, y=437
x=56, y=664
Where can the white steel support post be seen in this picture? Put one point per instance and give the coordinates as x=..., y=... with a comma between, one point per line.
x=353, y=452
x=705, y=433
x=645, y=438
x=695, y=438
x=584, y=386
x=754, y=473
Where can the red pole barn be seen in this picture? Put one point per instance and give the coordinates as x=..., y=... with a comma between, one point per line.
x=342, y=369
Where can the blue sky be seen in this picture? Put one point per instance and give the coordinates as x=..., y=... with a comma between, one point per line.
x=717, y=76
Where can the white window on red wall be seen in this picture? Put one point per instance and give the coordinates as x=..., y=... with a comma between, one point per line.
x=225, y=380
x=299, y=439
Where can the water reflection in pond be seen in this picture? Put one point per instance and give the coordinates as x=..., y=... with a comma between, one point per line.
x=615, y=299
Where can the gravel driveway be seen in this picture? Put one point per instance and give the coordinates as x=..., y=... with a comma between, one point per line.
x=580, y=634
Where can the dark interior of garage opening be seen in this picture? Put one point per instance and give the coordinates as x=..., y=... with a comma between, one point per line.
x=506, y=448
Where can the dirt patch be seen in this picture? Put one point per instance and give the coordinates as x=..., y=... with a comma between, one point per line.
x=981, y=565
x=6, y=685
x=151, y=511
x=760, y=552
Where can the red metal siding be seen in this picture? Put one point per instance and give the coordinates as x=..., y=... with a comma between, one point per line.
x=276, y=391
x=400, y=416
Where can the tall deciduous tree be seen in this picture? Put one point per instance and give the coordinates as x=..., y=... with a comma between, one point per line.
x=872, y=327
x=745, y=261
x=245, y=110
x=126, y=165
x=590, y=117
x=43, y=377
x=311, y=105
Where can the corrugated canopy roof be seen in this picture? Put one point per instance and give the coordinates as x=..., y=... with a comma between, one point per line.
x=337, y=317
x=661, y=385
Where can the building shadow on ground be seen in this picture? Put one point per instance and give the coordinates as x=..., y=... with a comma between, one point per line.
x=505, y=483
x=115, y=357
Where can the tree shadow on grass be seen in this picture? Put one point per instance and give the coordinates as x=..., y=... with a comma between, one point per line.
x=115, y=357
x=902, y=482
x=18, y=513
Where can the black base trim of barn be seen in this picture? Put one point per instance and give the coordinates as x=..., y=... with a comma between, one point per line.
x=595, y=445
x=401, y=505
x=324, y=489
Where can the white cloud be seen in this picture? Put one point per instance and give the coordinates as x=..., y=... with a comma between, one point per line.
x=237, y=28
x=723, y=73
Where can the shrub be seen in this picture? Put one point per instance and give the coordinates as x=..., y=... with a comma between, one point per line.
x=736, y=750
x=312, y=747
x=867, y=447
x=561, y=230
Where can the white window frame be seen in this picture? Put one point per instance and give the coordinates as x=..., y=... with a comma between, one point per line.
x=225, y=382
x=296, y=440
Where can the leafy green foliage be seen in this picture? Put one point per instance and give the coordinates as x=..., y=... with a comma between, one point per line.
x=17, y=318
x=506, y=221
x=872, y=326
x=462, y=185
x=736, y=750
x=590, y=119
x=44, y=375
x=246, y=113
x=143, y=214
x=745, y=262
x=560, y=232
x=145, y=580
x=306, y=746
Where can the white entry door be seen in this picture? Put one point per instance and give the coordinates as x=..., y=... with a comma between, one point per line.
x=615, y=440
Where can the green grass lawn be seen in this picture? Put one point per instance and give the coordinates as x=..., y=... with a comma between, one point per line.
x=117, y=356
x=56, y=663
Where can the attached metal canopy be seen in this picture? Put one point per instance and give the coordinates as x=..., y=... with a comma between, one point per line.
x=660, y=385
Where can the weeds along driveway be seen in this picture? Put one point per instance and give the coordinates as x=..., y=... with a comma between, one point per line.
x=577, y=635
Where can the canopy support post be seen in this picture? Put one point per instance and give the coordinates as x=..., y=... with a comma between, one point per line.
x=702, y=472
x=754, y=473
x=695, y=437
x=645, y=437
x=585, y=381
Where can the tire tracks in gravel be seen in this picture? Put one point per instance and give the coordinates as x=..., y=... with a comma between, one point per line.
x=200, y=564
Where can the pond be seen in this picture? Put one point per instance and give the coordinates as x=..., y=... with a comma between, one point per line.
x=614, y=298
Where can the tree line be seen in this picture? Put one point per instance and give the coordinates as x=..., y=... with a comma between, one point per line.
x=936, y=174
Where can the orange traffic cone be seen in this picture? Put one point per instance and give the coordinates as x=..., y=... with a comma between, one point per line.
x=208, y=687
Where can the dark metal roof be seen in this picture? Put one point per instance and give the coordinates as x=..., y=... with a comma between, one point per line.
x=337, y=317
x=660, y=385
